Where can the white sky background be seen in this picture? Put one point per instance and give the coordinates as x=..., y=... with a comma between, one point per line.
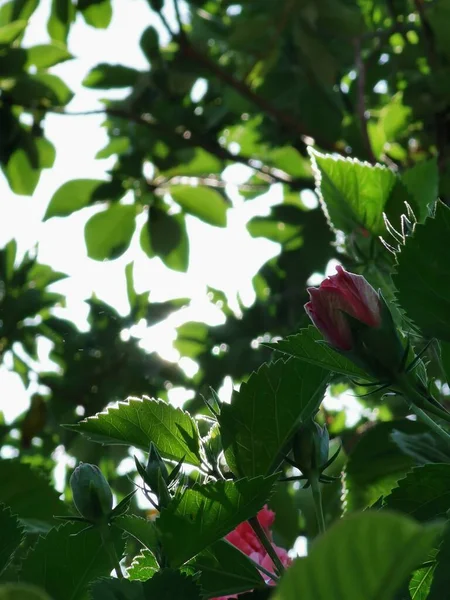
x=223, y=258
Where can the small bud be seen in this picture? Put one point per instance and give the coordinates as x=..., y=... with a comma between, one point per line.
x=155, y=465
x=91, y=493
x=310, y=447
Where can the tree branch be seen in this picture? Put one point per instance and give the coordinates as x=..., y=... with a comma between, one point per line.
x=188, y=138
x=361, y=105
x=283, y=118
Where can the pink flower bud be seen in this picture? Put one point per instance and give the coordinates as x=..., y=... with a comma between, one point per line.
x=338, y=295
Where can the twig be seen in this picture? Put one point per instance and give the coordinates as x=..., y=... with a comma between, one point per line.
x=282, y=117
x=359, y=63
x=188, y=138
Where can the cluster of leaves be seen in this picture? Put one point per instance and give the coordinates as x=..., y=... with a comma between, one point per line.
x=364, y=79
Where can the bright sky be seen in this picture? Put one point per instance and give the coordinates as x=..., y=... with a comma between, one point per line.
x=232, y=256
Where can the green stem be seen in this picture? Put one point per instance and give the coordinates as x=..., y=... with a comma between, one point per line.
x=415, y=400
x=108, y=545
x=317, y=497
x=272, y=576
x=255, y=525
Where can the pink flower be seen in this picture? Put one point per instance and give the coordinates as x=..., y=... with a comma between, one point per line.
x=244, y=538
x=338, y=295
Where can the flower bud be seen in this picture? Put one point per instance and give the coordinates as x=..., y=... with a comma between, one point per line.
x=155, y=468
x=91, y=493
x=310, y=447
x=356, y=321
x=340, y=295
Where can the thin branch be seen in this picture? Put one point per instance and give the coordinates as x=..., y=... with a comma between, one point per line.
x=188, y=138
x=361, y=104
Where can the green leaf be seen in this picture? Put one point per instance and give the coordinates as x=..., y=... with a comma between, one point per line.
x=22, y=591
x=422, y=182
x=143, y=567
x=276, y=231
x=116, y=145
x=97, y=13
x=29, y=494
x=376, y=464
x=138, y=422
x=105, y=76
x=224, y=570
x=108, y=233
x=420, y=583
x=116, y=589
x=71, y=561
x=166, y=236
x=61, y=16
x=11, y=536
x=422, y=447
x=202, y=202
x=424, y=493
x=72, y=196
x=194, y=164
x=441, y=580
x=17, y=10
x=9, y=32
x=42, y=88
x=23, y=169
x=342, y=565
x=265, y=413
x=203, y=514
x=165, y=585
x=149, y=43
x=423, y=275
x=142, y=530
x=43, y=56
x=304, y=345
x=353, y=194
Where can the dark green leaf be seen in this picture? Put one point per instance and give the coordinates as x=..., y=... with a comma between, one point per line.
x=224, y=570
x=72, y=196
x=43, y=89
x=376, y=464
x=165, y=236
x=150, y=43
x=61, y=16
x=71, y=561
x=440, y=586
x=143, y=567
x=29, y=494
x=108, y=233
x=205, y=513
x=165, y=585
x=353, y=194
x=9, y=32
x=11, y=536
x=422, y=447
x=342, y=565
x=304, y=345
x=422, y=182
x=265, y=413
x=97, y=13
x=138, y=422
x=202, y=202
x=424, y=493
x=423, y=275
x=22, y=591
x=47, y=55
x=105, y=76
x=142, y=530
